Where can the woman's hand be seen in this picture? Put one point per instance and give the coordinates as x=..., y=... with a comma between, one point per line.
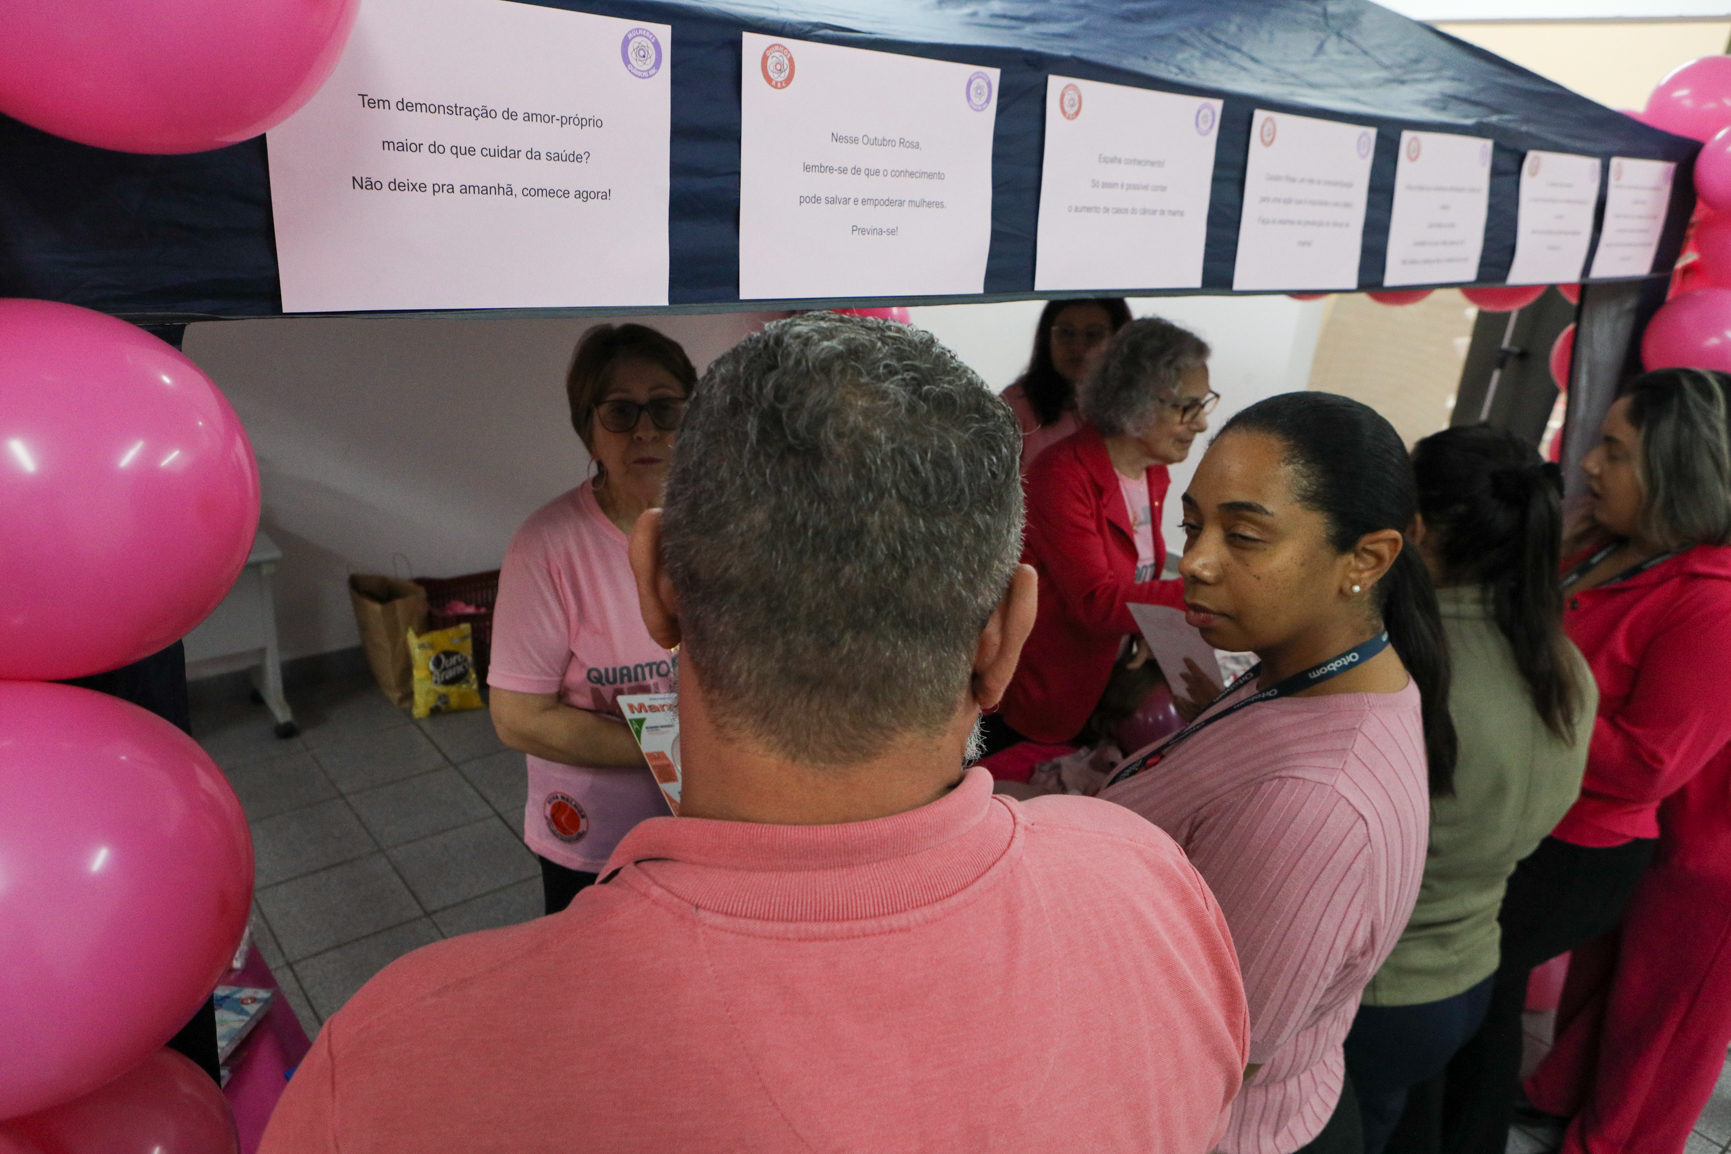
x=1200, y=690
x=542, y=725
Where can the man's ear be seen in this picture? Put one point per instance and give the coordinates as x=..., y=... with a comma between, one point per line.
x=655, y=595
x=1001, y=640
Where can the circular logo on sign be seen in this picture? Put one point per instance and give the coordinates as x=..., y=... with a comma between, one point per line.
x=1485, y=153
x=778, y=66
x=1267, y=133
x=641, y=52
x=1069, y=102
x=1617, y=172
x=1533, y=164
x=1204, y=120
x=1365, y=140
x=565, y=818
x=980, y=92
x=1414, y=146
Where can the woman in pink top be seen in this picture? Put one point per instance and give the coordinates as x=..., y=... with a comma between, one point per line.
x=1302, y=793
x=1070, y=335
x=568, y=637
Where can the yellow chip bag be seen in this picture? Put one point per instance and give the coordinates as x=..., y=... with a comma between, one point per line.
x=444, y=662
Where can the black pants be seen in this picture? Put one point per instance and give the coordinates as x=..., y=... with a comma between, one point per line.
x=1344, y=1133
x=158, y=683
x=1392, y=1048
x=1559, y=897
x=559, y=884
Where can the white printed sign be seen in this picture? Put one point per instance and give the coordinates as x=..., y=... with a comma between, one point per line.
x=862, y=174
x=1124, y=187
x=1636, y=202
x=1559, y=191
x=1442, y=193
x=478, y=154
x=1172, y=642
x=1305, y=185
x=653, y=719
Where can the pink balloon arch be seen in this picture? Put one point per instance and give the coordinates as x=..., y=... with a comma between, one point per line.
x=898, y=314
x=163, y=1105
x=1563, y=357
x=1692, y=330
x=166, y=76
x=1399, y=296
x=1505, y=299
x=128, y=493
x=127, y=868
x=1694, y=100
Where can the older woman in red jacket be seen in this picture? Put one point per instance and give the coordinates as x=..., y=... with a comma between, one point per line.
x=1095, y=502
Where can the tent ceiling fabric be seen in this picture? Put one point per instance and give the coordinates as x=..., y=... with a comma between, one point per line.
x=192, y=234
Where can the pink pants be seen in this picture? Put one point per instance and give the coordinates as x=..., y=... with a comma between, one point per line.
x=1644, y=1021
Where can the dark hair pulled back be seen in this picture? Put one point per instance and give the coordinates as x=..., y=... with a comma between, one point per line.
x=1493, y=514
x=1349, y=464
x=1047, y=390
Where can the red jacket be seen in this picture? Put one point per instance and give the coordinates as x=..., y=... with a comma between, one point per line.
x=1082, y=544
x=1659, y=645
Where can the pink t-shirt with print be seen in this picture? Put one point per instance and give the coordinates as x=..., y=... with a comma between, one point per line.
x=1142, y=519
x=568, y=622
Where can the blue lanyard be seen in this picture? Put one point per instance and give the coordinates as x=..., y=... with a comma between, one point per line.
x=1315, y=675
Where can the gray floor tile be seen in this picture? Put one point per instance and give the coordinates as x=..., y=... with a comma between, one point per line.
x=1715, y=1120
x=307, y=839
x=462, y=736
x=1521, y=1142
x=340, y=709
x=236, y=735
x=264, y=941
x=330, y=908
x=267, y=788
x=463, y=863
x=503, y=779
x=418, y=806
x=331, y=978
x=294, y=1000
x=1698, y=1144
x=366, y=759
x=522, y=902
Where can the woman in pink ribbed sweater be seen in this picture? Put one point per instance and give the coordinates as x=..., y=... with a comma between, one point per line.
x=1302, y=793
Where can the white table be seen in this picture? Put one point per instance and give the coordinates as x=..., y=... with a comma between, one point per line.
x=241, y=633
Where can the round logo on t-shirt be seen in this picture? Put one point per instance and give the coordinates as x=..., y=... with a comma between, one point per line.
x=565, y=818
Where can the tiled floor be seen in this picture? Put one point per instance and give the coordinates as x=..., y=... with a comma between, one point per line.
x=375, y=834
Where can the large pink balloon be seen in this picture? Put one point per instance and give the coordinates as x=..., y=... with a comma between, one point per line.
x=1505, y=299
x=1713, y=171
x=1694, y=100
x=1399, y=296
x=1712, y=241
x=125, y=881
x=166, y=75
x=1692, y=330
x=1563, y=357
x=163, y=1105
x=128, y=492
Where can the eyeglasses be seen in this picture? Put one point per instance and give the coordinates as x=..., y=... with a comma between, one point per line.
x=1194, y=407
x=667, y=414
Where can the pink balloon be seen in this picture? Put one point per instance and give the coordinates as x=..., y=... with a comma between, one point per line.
x=1506, y=299
x=1711, y=239
x=1307, y=296
x=1563, y=356
x=1571, y=293
x=128, y=493
x=1399, y=296
x=1713, y=171
x=169, y=75
x=1694, y=100
x=163, y=1105
x=1156, y=718
x=125, y=881
x=1692, y=330
x=897, y=314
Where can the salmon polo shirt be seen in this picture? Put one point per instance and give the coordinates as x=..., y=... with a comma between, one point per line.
x=974, y=975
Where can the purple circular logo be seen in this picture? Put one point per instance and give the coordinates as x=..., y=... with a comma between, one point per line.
x=1365, y=139
x=979, y=91
x=641, y=52
x=1205, y=119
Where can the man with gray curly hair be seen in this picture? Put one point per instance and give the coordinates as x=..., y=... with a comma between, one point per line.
x=845, y=941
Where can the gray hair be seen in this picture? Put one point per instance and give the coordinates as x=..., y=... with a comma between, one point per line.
x=843, y=513
x=1140, y=372
x=1685, y=459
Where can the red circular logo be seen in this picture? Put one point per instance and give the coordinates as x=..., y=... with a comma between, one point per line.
x=1268, y=132
x=1414, y=146
x=777, y=66
x=1070, y=102
x=565, y=818
x=1617, y=172
x=1533, y=164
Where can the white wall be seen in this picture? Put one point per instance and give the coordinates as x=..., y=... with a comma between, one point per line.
x=1263, y=345
x=421, y=443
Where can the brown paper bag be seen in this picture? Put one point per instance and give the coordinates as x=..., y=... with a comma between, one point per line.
x=386, y=608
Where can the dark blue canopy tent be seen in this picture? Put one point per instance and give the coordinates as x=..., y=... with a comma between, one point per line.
x=189, y=237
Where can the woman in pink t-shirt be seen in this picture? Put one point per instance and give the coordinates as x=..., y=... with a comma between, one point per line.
x=1302, y=793
x=568, y=637
x=1068, y=339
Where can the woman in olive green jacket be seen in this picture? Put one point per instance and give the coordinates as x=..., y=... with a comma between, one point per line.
x=1523, y=702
